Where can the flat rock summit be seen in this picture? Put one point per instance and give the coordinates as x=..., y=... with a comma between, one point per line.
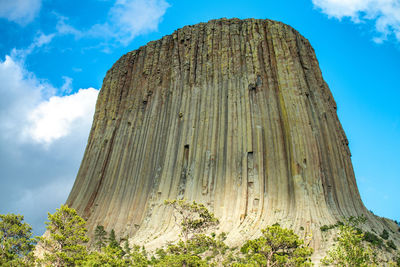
x=234, y=114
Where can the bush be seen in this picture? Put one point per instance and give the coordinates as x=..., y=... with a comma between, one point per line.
x=194, y=218
x=325, y=228
x=350, y=250
x=276, y=247
x=391, y=244
x=385, y=234
x=373, y=239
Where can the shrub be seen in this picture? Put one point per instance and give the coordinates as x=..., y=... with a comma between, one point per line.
x=391, y=244
x=277, y=247
x=385, y=234
x=195, y=248
x=350, y=250
x=325, y=228
x=195, y=218
x=373, y=239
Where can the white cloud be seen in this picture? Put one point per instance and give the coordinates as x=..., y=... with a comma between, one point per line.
x=132, y=18
x=20, y=11
x=126, y=20
x=54, y=118
x=30, y=110
x=384, y=13
x=42, y=139
x=20, y=91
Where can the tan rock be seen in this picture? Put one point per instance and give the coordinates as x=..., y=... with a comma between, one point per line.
x=231, y=113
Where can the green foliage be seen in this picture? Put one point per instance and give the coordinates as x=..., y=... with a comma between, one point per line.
x=325, y=227
x=397, y=259
x=391, y=244
x=138, y=256
x=194, y=218
x=276, y=247
x=385, y=234
x=65, y=239
x=373, y=239
x=112, y=240
x=127, y=249
x=350, y=250
x=16, y=243
x=100, y=237
x=179, y=260
x=109, y=256
x=200, y=250
x=115, y=256
x=195, y=249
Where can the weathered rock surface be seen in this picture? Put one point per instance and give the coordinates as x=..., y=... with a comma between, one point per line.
x=231, y=113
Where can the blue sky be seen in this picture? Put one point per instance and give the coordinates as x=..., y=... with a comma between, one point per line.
x=54, y=56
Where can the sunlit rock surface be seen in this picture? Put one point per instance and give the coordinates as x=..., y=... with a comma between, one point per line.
x=231, y=113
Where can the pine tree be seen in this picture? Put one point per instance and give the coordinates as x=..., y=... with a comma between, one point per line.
x=112, y=240
x=65, y=239
x=100, y=237
x=16, y=243
x=277, y=247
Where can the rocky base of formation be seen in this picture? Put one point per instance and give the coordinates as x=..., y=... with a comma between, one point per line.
x=231, y=113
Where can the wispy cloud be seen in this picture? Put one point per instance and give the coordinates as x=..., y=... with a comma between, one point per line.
x=126, y=20
x=384, y=13
x=40, y=40
x=20, y=11
x=64, y=28
x=131, y=18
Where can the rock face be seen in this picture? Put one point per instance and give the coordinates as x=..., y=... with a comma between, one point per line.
x=231, y=113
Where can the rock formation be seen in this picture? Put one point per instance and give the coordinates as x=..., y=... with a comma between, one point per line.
x=231, y=113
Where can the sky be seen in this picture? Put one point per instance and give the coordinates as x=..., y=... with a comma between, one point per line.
x=55, y=54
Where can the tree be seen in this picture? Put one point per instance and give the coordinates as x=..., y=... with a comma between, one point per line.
x=200, y=250
x=65, y=239
x=109, y=256
x=194, y=218
x=277, y=247
x=195, y=248
x=350, y=249
x=112, y=240
x=115, y=256
x=16, y=243
x=100, y=237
